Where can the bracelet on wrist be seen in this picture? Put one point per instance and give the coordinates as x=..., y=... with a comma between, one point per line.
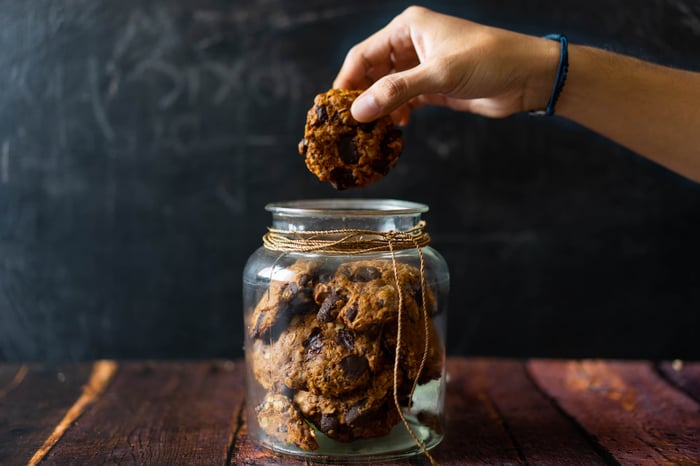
x=562, y=71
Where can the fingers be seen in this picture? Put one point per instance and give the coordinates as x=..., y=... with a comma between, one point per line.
x=391, y=92
x=388, y=50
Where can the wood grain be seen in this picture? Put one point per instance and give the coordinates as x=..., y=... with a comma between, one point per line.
x=100, y=377
x=635, y=415
x=540, y=432
x=498, y=411
x=159, y=413
x=474, y=432
x=684, y=375
x=32, y=407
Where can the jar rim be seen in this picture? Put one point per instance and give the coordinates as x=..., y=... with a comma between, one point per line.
x=348, y=207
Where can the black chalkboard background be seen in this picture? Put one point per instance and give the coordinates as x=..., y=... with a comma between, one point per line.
x=140, y=141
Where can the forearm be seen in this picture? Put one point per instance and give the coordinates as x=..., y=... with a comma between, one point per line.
x=650, y=109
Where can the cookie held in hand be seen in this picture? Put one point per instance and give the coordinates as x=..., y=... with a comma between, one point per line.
x=343, y=151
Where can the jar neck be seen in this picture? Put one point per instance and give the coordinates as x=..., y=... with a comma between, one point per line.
x=356, y=214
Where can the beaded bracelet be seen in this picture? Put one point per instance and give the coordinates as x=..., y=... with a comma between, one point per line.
x=562, y=70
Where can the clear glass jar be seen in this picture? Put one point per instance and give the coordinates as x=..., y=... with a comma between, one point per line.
x=322, y=331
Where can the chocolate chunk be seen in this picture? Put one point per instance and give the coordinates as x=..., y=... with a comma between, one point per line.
x=389, y=349
x=321, y=114
x=293, y=300
x=342, y=178
x=324, y=312
x=347, y=149
x=290, y=290
x=287, y=392
x=269, y=325
x=314, y=344
x=365, y=274
x=390, y=137
x=328, y=310
x=380, y=166
x=305, y=280
x=373, y=330
x=259, y=329
x=346, y=338
x=298, y=301
x=351, y=312
x=354, y=366
x=355, y=415
x=368, y=127
x=325, y=278
x=329, y=423
x=302, y=303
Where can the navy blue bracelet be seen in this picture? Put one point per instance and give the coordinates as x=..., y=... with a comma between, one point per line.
x=562, y=69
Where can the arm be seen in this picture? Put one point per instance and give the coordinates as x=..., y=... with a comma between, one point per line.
x=425, y=58
x=650, y=109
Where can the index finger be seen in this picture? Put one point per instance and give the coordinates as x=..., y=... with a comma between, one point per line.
x=388, y=50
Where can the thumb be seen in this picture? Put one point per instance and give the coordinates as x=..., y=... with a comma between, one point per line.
x=391, y=92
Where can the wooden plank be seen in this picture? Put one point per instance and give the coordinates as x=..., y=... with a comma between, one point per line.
x=33, y=400
x=159, y=413
x=474, y=431
x=541, y=433
x=635, y=415
x=11, y=375
x=685, y=375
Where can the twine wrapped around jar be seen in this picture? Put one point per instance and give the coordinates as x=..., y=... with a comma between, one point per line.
x=358, y=241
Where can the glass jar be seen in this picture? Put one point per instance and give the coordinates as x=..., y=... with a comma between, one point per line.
x=345, y=318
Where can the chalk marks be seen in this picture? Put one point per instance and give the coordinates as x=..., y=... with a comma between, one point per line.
x=273, y=18
x=160, y=67
x=5, y=162
x=691, y=18
x=146, y=34
x=441, y=146
x=97, y=102
x=234, y=202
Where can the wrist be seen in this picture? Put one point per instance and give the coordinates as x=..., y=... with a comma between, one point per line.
x=543, y=61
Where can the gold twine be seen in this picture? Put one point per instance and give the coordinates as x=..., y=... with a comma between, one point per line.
x=357, y=241
x=345, y=241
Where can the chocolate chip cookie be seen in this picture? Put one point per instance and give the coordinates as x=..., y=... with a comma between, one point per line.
x=283, y=300
x=366, y=414
x=342, y=151
x=324, y=347
x=281, y=420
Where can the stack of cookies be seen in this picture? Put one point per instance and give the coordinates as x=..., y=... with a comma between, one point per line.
x=324, y=347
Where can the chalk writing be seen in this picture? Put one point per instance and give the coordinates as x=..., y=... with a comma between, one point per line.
x=97, y=101
x=5, y=162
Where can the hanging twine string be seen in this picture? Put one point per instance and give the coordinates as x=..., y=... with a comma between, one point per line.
x=355, y=241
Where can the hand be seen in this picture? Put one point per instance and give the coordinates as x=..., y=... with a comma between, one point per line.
x=425, y=58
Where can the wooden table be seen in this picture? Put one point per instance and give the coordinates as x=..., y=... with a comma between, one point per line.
x=499, y=411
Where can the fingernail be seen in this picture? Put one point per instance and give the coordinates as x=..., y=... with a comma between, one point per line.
x=365, y=108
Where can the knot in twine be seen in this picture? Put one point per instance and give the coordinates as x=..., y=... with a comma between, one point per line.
x=356, y=241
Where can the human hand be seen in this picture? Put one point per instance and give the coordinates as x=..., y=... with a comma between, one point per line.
x=425, y=58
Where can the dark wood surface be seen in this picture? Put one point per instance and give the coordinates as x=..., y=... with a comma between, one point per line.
x=499, y=411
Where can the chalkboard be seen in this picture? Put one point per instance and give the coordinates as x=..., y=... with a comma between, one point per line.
x=140, y=141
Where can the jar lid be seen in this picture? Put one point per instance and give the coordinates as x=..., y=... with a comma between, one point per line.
x=347, y=207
